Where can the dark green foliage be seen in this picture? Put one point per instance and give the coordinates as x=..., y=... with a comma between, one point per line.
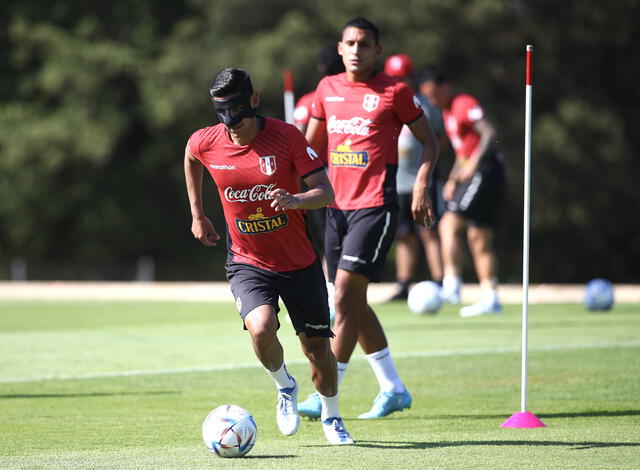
x=97, y=101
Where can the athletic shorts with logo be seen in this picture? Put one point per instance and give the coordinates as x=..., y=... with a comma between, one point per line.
x=479, y=199
x=406, y=224
x=303, y=292
x=359, y=240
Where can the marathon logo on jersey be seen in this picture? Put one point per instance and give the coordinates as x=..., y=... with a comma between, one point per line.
x=370, y=102
x=345, y=157
x=260, y=192
x=257, y=223
x=268, y=165
x=353, y=126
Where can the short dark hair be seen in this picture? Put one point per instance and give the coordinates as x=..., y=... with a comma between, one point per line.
x=230, y=81
x=433, y=74
x=329, y=60
x=362, y=23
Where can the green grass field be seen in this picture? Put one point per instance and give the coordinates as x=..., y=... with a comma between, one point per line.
x=126, y=385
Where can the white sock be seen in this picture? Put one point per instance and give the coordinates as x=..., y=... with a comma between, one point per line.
x=489, y=296
x=342, y=368
x=451, y=283
x=382, y=364
x=281, y=377
x=329, y=407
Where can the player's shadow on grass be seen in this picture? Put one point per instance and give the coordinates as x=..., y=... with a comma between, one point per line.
x=83, y=395
x=399, y=445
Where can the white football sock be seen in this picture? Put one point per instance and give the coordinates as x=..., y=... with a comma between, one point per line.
x=342, y=368
x=281, y=377
x=451, y=284
x=382, y=364
x=329, y=407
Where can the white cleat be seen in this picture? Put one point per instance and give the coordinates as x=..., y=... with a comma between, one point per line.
x=287, y=415
x=335, y=432
x=481, y=308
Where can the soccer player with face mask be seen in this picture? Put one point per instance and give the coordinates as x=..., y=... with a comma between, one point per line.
x=257, y=163
x=359, y=114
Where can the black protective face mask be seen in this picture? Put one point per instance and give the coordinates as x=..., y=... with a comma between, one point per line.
x=232, y=110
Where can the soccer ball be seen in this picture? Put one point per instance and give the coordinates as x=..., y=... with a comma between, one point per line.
x=424, y=297
x=229, y=431
x=598, y=294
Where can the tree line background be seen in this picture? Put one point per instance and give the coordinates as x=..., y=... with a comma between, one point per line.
x=97, y=101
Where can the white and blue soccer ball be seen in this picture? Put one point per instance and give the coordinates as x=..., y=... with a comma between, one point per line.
x=229, y=431
x=598, y=295
x=424, y=297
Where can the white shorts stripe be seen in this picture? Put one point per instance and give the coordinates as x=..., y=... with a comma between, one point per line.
x=387, y=222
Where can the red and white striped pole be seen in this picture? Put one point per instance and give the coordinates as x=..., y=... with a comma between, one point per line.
x=288, y=96
x=524, y=418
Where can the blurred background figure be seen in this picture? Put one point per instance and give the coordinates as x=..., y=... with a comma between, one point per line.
x=473, y=192
x=411, y=239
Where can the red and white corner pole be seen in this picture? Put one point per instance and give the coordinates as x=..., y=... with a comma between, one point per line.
x=288, y=96
x=524, y=418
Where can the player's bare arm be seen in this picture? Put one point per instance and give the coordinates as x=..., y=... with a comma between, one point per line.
x=201, y=226
x=319, y=194
x=487, y=134
x=316, y=133
x=421, y=204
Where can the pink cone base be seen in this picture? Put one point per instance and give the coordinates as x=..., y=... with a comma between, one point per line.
x=523, y=420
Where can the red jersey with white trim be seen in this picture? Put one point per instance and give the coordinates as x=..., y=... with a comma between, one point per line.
x=302, y=115
x=459, y=118
x=302, y=110
x=363, y=121
x=244, y=174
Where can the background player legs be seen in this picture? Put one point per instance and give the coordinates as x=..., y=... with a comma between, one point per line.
x=480, y=241
x=451, y=225
x=433, y=251
x=407, y=248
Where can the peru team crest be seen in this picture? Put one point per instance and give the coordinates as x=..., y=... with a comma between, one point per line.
x=268, y=165
x=370, y=102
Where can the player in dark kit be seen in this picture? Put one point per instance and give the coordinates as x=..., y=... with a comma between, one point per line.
x=256, y=164
x=473, y=192
x=359, y=114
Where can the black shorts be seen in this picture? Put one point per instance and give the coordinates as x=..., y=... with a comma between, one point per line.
x=359, y=240
x=479, y=199
x=303, y=291
x=406, y=224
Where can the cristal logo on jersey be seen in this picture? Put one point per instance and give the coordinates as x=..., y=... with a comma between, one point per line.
x=259, y=192
x=354, y=126
x=345, y=157
x=258, y=223
x=370, y=102
x=268, y=165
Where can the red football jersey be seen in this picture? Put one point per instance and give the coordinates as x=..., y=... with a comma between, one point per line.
x=302, y=111
x=363, y=121
x=244, y=174
x=458, y=122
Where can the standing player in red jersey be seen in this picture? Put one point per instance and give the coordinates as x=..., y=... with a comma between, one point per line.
x=359, y=115
x=257, y=163
x=473, y=192
x=329, y=63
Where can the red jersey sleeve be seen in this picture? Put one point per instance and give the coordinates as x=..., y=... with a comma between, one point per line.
x=304, y=158
x=407, y=106
x=317, y=106
x=194, y=143
x=302, y=111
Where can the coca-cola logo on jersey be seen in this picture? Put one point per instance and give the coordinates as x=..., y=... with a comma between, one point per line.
x=260, y=192
x=354, y=126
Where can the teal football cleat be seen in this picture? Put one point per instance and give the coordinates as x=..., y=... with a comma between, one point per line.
x=311, y=407
x=386, y=403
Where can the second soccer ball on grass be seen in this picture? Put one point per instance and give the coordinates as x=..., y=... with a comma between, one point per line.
x=424, y=297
